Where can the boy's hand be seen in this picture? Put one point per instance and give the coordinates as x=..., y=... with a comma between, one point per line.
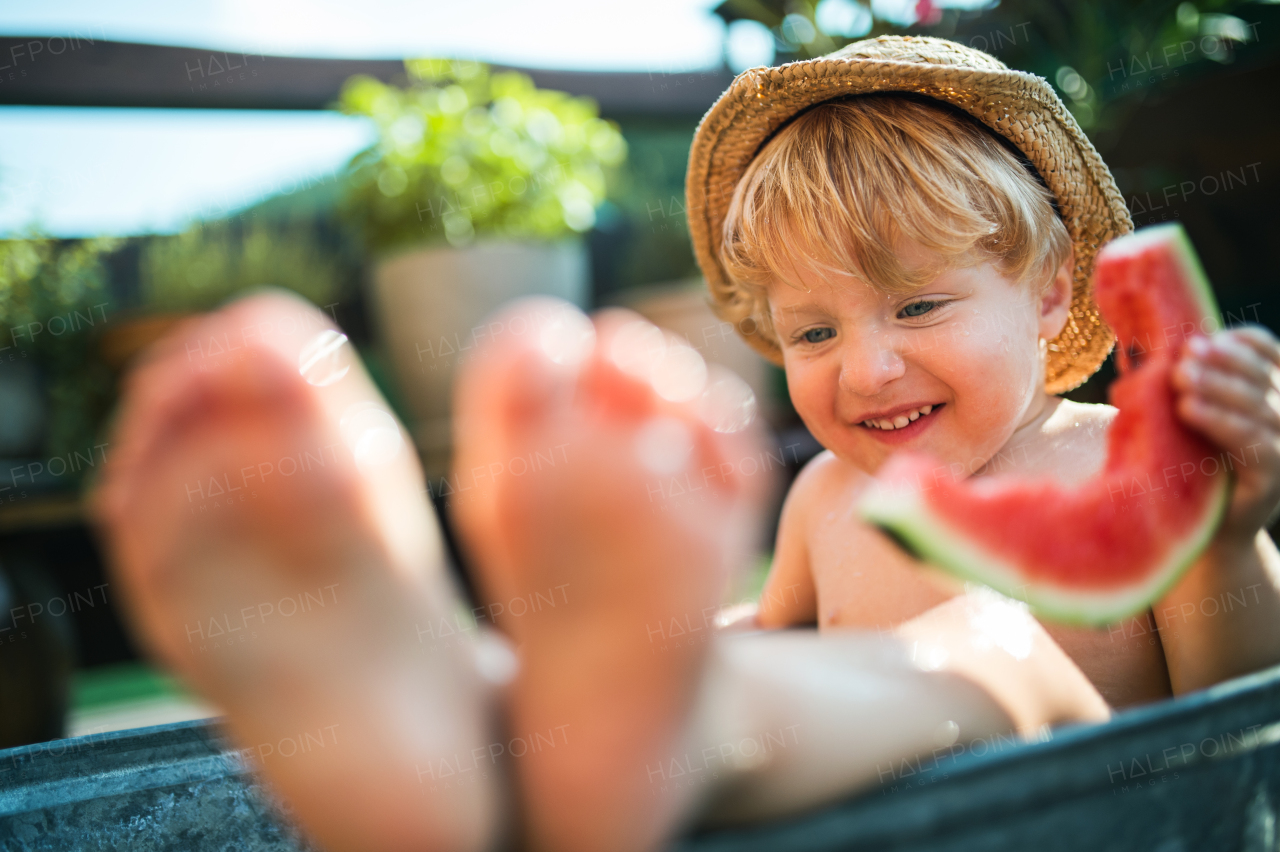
x=1229, y=390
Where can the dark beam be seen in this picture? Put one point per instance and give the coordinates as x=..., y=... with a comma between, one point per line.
x=45, y=71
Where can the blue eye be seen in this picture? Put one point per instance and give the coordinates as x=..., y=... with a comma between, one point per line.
x=918, y=309
x=817, y=335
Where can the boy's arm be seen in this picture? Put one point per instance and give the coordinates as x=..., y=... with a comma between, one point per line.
x=1223, y=619
x=790, y=596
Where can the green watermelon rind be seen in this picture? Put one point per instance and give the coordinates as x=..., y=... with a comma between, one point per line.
x=906, y=517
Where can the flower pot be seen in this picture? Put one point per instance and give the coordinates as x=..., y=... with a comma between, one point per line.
x=430, y=307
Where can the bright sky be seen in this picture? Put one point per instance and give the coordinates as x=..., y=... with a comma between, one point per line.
x=584, y=34
x=79, y=172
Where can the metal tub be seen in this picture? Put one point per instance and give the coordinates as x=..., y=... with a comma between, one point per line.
x=1201, y=772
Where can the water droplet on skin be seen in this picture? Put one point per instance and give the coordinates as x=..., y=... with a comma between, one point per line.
x=664, y=445
x=728, y=404
x=1002, y=622
x=326, y=359
x=681, y=374
x=946, y=734
x=637, y=347
x=495, y=660
x=567, y=337
x=371, y=433
x=929, y=659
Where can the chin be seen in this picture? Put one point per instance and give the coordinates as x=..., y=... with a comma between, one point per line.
x=867, y=460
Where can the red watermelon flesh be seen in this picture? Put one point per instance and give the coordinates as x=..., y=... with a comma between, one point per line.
x=1104, y=550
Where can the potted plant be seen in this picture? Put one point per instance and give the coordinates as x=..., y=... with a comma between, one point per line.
x=476, y=192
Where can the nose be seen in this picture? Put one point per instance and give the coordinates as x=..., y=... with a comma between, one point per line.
x=870, y=363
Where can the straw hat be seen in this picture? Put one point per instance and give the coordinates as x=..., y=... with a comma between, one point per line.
x=1021, y=107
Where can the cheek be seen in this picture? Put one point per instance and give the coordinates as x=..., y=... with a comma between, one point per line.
x=993, y=369
x=812, y=391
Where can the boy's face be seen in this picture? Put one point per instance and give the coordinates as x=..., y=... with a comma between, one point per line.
x=966, y=344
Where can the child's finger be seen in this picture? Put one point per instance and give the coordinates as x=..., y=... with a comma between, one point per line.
x=1260, y=340
x=1229, y=430
x=1232, y=355
x=1232, y=391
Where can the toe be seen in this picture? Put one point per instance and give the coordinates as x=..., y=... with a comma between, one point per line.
x=655, y=377
x=631, y=408
x=534, y=351
x=522, y=377
x=228, y=358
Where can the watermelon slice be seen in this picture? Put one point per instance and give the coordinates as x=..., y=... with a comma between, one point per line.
x=1107, y=549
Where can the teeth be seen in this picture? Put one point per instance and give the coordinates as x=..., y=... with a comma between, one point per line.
x=899, y=421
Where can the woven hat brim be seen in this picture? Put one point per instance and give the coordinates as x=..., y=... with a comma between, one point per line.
x=1021, y=107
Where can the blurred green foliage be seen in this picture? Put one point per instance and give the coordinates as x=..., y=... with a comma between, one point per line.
x=463, y=151
x=1102, y=56
x=1094, y=53
x=53, y=297
x=202, y=267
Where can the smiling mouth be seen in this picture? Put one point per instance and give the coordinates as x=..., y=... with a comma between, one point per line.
x=901, y=421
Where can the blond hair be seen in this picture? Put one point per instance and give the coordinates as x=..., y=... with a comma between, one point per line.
x=843, y=186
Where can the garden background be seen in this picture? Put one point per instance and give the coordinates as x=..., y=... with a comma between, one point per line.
x=373, y=155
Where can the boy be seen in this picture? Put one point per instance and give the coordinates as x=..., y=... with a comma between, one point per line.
x=916, y=253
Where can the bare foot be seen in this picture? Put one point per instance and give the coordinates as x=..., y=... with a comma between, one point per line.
x=266, y=519
x=567, y=437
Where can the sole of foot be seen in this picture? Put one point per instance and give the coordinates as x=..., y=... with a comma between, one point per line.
x=573, y=439
x=266, y=521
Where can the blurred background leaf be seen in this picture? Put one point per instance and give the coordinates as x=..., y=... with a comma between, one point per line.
x=465, y=152
x=54, y=296
x=1094, y=53
x=204, y=266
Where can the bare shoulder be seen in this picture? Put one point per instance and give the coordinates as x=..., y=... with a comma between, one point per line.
x=1081, y=422
x=1075, y=439
x=823, y=484
x=824, y=474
